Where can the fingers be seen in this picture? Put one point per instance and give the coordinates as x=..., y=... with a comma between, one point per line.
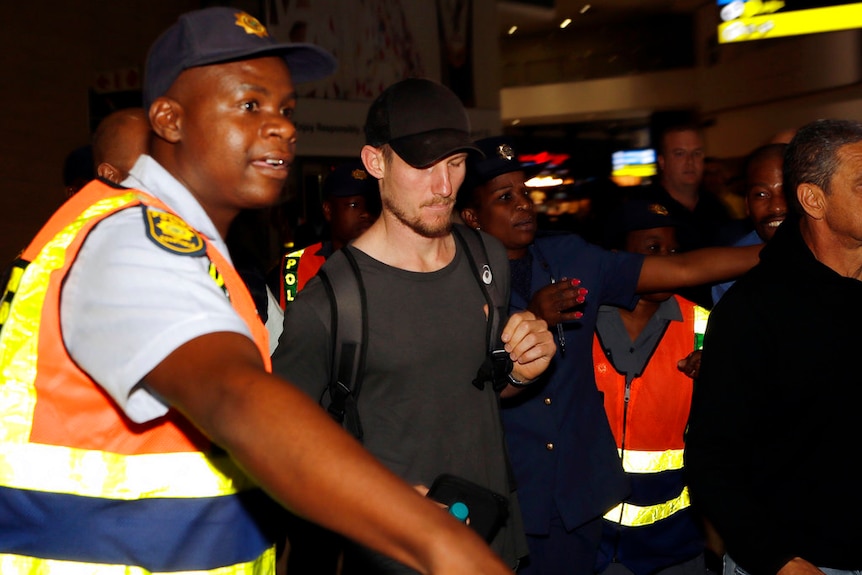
x=690, y=365
x=529, y=343
x=558, y=301
x=569, y=294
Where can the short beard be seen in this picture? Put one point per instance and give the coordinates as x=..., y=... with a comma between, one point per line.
x=417, y=225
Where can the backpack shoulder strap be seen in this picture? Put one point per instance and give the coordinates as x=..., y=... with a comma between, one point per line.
x=477, y=254
x=348, y=332
x=497, y=364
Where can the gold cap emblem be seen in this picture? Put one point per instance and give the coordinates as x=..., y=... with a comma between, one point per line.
x=658, y=210
x=251, y=25
x=505, y=152
x=358, y=174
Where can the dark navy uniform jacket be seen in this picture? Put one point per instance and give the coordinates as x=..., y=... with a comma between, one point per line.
x=562, y=450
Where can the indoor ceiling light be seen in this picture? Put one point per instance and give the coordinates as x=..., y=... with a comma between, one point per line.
x=584, y=8
x=512, y=30
x=565, y=22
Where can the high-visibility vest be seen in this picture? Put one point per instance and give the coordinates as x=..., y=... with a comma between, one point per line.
x=297, y=268
x=83, y=489
x=648, y=420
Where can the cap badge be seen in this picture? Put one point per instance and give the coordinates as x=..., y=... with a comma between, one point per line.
x=358, y=174
x=658, y=210
x=251, y=25
x=506, y=152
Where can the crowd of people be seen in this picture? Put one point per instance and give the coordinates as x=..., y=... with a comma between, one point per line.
x=672, y=399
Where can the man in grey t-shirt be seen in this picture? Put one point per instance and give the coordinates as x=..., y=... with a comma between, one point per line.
x=426, y=319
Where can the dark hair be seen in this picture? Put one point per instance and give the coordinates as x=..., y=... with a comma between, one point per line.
x=761, y=153
x=812, y=155
x=468, y=196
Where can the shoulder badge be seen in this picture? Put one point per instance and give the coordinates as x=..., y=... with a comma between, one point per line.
x=171, y=233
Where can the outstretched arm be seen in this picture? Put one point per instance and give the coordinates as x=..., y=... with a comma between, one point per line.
x=291, y=447
x=697, y=267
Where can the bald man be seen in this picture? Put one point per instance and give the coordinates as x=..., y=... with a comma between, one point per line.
x=119, y=139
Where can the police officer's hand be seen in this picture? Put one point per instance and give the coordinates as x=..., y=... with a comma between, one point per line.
x=559, y=302
x=690, y=364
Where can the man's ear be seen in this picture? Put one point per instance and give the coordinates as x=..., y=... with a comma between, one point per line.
x=327, y=210
x=469, y=217
x=109, y=172
x=165, y=118
x=812, y=199
x=374, y=161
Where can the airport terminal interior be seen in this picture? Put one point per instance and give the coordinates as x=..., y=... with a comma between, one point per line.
x=577, y=82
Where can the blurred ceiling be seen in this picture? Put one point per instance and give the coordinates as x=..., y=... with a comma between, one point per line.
x=530, y=18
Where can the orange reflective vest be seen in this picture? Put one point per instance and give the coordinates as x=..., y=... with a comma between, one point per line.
x=653, y=527
x=82, y=487
x=296, y=269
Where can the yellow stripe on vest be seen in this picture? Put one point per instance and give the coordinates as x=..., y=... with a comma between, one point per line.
x=23, y=565
x=651, y=461
x=113, y=476
x=635, y=516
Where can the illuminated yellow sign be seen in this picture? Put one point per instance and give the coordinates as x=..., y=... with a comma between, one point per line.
x=756, y=20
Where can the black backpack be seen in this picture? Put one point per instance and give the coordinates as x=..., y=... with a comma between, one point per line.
x=349, y=327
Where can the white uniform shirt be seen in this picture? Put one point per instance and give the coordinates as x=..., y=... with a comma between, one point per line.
x=128, y=303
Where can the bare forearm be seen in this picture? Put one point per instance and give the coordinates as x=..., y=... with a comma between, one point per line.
x=290, y=446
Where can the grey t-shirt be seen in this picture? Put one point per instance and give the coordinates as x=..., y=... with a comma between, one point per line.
x=421, y=415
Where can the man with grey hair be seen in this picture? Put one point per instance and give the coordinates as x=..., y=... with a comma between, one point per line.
x=774, y=417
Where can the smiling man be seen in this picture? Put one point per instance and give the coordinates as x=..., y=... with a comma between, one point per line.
x=136, y=419
x=764, y=199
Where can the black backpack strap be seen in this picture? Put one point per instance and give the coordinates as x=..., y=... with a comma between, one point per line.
x=497, y=365
x=349, y=332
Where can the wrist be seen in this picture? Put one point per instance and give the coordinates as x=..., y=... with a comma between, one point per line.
x=513, y=381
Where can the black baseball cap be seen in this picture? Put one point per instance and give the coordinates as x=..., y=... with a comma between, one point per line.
x=421, y=120
x=349, y=179
x=221, y=34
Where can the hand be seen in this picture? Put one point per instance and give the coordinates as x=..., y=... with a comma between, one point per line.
x=555, y=302
x=530, y=345
x=690, y=365
x=799, y=566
